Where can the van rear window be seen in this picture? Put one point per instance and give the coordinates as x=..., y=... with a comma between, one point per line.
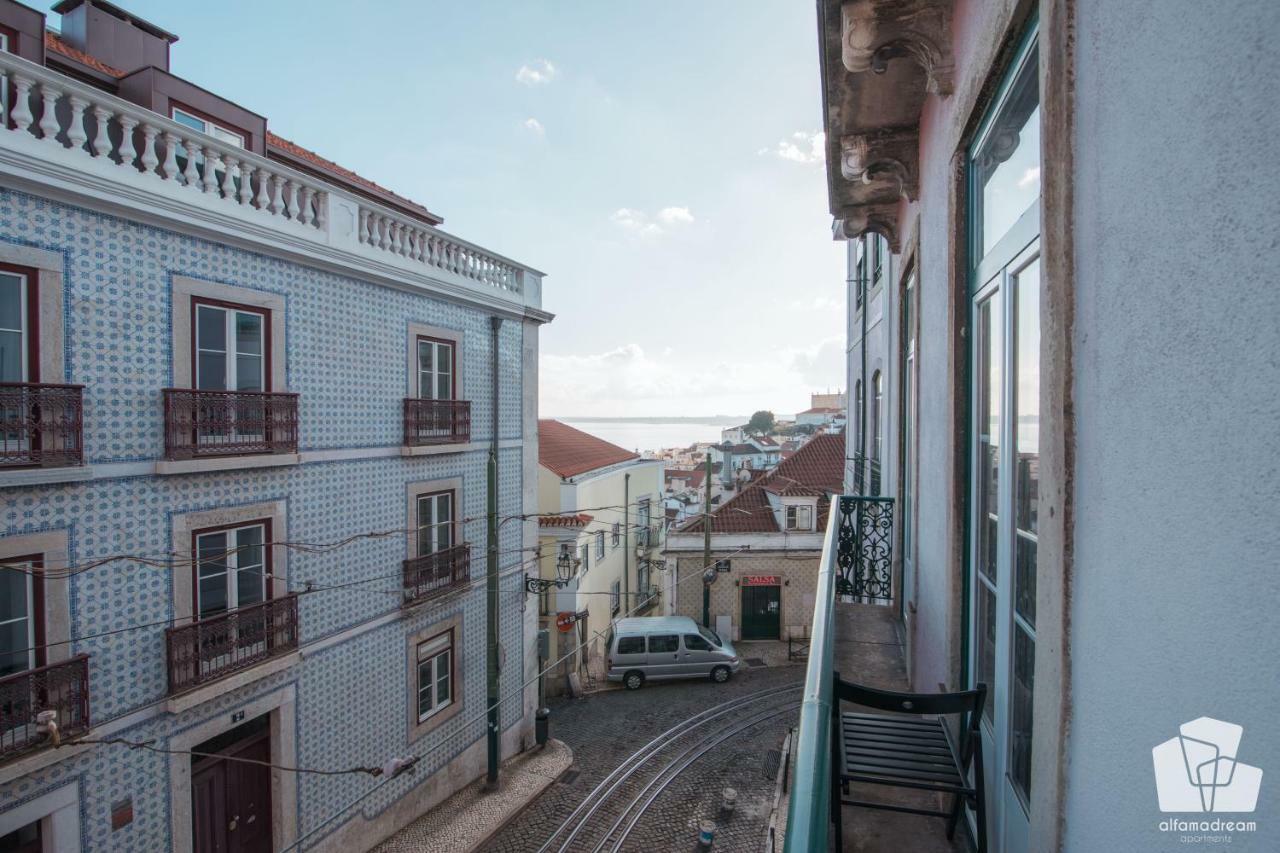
x=631, y=645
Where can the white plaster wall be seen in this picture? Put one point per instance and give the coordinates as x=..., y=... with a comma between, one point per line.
x=1177, y=365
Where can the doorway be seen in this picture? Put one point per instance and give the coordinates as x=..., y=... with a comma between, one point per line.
x=230, y=794
x=761, y=611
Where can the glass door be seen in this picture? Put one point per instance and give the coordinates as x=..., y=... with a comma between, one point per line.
x=1004, y=173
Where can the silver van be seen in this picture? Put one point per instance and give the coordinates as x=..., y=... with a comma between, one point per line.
x=661, y=647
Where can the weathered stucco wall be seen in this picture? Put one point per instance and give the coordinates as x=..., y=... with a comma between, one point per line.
x=1177, y=347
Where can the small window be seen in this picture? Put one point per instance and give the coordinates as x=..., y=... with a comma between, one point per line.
x=615, y=598
x=630, y=645
x=799, y=518
x=218, y=132
x=231, y=347
x=19, y=617
x=437, y=369
x=644, y=513
x=435, y=675
x=231, y=568
x=586, y=558
x=599, y=544
x=696, y=643
x=659, y=643
x=18, y=356
x=617, y=533
x=435, y=522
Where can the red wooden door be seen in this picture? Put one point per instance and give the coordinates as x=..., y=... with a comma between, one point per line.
x=231, y=800
x=209, y=808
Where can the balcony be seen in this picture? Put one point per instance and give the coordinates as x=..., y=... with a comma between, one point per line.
x=648, y=536
x=432, y=575
x=41, y=425
x=854, y=634
x=430, y=423
x=200, y=424
x=217, y=646
x=59, y=687
x=102, y=151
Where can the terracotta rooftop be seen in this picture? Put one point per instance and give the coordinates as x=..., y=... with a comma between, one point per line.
x=568, y=452
x=817, y=469
x=52, y=41
x=579, y=520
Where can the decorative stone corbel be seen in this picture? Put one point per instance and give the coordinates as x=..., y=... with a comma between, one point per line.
x=872, y=34
x=880, y=219
x=890, y=157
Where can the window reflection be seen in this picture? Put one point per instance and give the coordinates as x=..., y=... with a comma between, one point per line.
x=1007, y=162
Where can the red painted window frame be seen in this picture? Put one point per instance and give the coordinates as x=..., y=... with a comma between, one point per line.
x=268, y=573
x=37, y=601
x=267, y=353
x=453, y=365
x=33, y=317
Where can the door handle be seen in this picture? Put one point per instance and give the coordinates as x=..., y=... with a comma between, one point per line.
x=231, y=827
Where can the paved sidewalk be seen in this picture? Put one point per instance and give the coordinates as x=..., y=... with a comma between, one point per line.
x=470, y=817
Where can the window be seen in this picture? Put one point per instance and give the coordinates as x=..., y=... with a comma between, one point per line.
x=879, y=254
x=799, y=517
x=435, y=675
x=435, y=522
x=585, y=557
x=696, y=643
x=660, y=643
x=857, y=425
x=437, y=367
x=711, y=636
x=877, y=392
x=644, y=515
x=599, y=544
x=617, y=533
x=20, y=616
x=631, y=645
x=859, y=279
x=195, y=122
x=18, y=308
x=231, y=568
x=615, y=598
x=232, y=347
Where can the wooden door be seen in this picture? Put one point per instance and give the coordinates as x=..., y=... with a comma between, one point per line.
x=761, y=612
x=231, y=800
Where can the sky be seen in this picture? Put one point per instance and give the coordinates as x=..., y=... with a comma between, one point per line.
x=658, y=160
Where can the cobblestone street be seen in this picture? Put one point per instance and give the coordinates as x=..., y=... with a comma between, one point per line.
x=605, y=729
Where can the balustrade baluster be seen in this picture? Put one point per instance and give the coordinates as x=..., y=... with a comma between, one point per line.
x=363, y=232
x=75, y=130
x=293, y=207
x=384, y=228
x=49, y=126
x=20, y=113
x=307, y=215
x=322, y=208
x=277, y=194
x=212, y=164
x=127, y=152
x=264, y=196
x=192, y=173
x=170, y=168
x=229, y=165
x=101, y=135
x=149, y=159
x=246, y=184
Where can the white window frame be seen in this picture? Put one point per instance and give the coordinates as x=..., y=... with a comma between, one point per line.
x=231, y=575
x=218, y=132
x=794, y=514
x=29, y=616
x=231, y=354
x=585, y=554
x=599, y=544
x=615, y=598
x=435, y=373
x=24, y=333
x=430, y=653
x=617, y=534
x=429, y=537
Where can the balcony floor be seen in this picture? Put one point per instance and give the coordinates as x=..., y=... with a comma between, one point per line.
x=869, y=651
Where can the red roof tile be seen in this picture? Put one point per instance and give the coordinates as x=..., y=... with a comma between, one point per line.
x=817, y=469
x=57, y=45
x=579, y=520
x=568, y=452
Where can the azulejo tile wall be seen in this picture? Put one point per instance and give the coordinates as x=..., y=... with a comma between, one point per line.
x=345, y=347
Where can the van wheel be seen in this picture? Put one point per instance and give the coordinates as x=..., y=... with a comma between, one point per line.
x=633, y=680
x=720, y=674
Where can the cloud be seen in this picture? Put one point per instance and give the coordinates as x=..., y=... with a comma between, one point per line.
x=537, y=73
x=639, y=222
x=800, y=147
x=534, y=126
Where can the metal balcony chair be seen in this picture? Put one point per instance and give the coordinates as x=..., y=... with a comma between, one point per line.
x=910, y=748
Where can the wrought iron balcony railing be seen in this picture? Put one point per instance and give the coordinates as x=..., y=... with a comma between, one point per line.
x=228, y=423
x=217, y=646
x=59, y=687
x=41, y=425
x=649, y=536
x=865, y=547
x=434, y=574
x=428, y=422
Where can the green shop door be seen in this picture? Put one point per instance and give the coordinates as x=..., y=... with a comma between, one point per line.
x=761, y=609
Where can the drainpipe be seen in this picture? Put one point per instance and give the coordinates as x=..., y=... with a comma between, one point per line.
x=860, y=478
x=626, y=543
x=491, y=577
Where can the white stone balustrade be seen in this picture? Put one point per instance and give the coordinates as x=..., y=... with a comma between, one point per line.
x=75, y=136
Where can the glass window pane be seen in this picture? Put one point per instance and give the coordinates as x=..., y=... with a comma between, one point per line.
x=426, y=355
x=15, y=641
x=695, y=643
x=11, y=298
x=226, y=136
x=189, y=120
x=211, y=551
x=1007, y=165
x=211, y=328
x=444, y=387
x=659, y=643
x=13, y=594
x=444, y=507
x=248, y=333
x=1024, y=665
x=986, y=652
x=211, y=371
x=1027, y=473
x=988, y=377
x=250, y=586
x=249, y=373
x=213, y=594
x=425, y=703
x=12, y=347
x=249, y=547
x=443, y=675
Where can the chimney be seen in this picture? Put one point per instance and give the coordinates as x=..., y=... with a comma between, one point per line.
x=114, y=36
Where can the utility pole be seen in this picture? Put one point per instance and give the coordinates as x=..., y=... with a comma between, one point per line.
x=706, y=547
x=491, y=578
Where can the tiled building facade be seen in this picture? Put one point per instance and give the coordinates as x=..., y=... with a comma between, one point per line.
x=112, y=288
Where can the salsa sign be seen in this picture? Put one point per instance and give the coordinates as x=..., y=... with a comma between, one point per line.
x=762, y=580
